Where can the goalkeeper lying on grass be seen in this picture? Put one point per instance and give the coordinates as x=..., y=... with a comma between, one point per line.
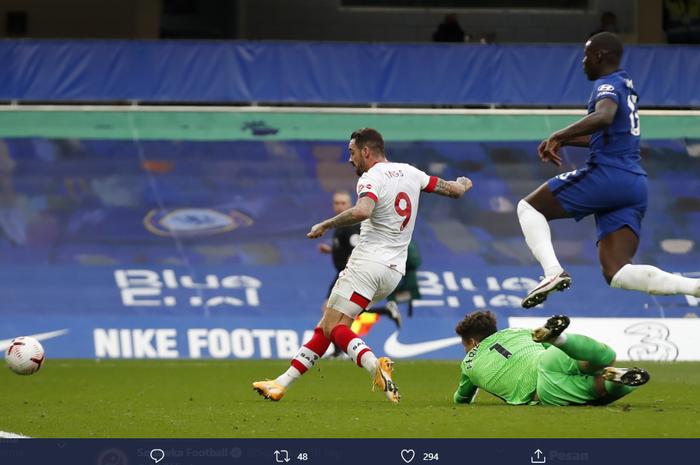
x=544, y=366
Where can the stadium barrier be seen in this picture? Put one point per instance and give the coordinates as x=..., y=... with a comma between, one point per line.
x=331, y=73
x=268, y=311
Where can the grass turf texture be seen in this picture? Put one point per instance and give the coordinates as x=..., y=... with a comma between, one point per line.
x=214, y=399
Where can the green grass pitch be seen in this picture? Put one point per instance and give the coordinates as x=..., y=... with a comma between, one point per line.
x=214, y=399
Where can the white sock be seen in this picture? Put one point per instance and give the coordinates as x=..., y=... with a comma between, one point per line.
x=358, y=348
x=305, y=358
x=288, y=377
x=652, y=280
x=369, y=363
x=539, y=238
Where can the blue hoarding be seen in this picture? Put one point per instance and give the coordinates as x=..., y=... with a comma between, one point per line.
x=268, y=312
x=261, y=72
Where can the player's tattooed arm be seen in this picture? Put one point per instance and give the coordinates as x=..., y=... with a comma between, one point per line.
x=360, y=212
x=454, y=189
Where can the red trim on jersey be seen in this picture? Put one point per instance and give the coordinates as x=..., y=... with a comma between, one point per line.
x=370, y=195
x=359, y=300
x=299, y=366
x=431, y=185
x=385, y=161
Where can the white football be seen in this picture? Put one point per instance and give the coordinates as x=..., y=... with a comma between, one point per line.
x=24, y=355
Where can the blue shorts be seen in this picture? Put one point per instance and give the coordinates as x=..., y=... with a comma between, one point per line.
x=615, y=196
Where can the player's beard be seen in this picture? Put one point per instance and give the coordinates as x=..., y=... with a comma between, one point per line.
x=357, y=169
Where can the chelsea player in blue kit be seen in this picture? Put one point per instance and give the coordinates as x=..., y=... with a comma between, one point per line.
x=612, y=186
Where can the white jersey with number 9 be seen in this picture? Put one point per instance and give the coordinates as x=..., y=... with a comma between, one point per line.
x=385, y=235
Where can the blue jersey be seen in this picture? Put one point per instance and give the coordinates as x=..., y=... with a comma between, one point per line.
x=618, y=144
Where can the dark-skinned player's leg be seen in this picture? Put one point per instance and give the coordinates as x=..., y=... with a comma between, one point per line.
x=534, y=213
x=542, y=200
x=616, y=251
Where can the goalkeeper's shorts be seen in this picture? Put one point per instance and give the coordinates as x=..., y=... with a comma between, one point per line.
x=562, y=382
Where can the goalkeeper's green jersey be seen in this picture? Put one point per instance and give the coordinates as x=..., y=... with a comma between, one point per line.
x=504, y=364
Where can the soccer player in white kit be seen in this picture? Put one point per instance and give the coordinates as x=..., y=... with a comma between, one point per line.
x=388, y=195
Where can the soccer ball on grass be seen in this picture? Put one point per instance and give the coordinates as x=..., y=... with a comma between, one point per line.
x=24, y=355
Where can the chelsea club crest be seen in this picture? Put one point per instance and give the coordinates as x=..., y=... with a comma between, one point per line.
x=194, y=221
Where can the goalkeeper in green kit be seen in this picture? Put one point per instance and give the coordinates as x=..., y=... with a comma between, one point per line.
x=544, y=366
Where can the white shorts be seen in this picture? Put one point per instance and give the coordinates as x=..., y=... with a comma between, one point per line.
x=362, y=284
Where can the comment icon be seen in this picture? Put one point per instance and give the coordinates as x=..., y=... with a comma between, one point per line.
x=157, y=455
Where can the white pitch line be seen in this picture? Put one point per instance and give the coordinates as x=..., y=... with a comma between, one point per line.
x=6, y=435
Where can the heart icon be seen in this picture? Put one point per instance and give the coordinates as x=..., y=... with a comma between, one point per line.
x=407, y=455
